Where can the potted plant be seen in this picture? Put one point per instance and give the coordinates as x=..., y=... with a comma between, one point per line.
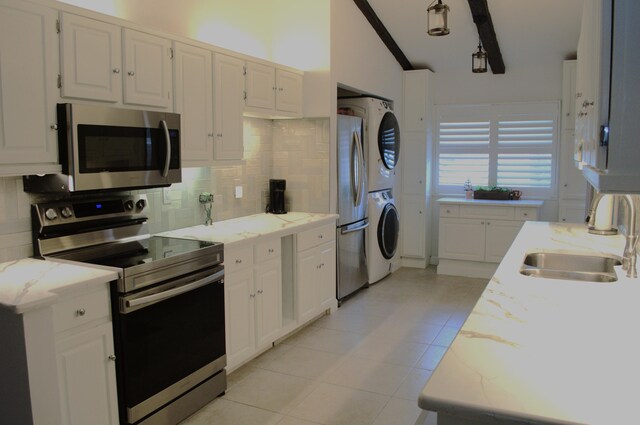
x=496, y=193
x=468, y=189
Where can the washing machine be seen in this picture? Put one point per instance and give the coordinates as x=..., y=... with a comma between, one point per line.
x=382, y=134
x=382, y=234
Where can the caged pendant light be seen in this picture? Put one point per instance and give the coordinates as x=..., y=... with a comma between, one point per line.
x=437, y=24
x=479, y=60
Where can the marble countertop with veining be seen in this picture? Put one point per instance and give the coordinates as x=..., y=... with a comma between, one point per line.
x=252, y=227
x=543, y=350
x=30, y=283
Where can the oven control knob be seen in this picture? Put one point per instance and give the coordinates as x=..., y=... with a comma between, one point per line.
x=128, y=205
x=51, y=214
x=141, y=204
x=66, y=212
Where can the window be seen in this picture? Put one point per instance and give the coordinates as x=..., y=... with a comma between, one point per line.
x=510, y=145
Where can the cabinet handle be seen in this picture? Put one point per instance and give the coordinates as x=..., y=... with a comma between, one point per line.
x=112, y=357
x=238, y=261
x=587, y=103
x=578, y=95
x=131, y=73
x=81, y=312
x=252, y=295
x=116, y=70
x=260, y=291
x=482, y=222
x=219, y=134
x=280, y=89
x=319, y=236
x=274, y=88
x=210, y=135
x=525, y=214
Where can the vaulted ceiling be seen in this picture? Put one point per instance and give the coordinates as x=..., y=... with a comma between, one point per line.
x=531, y=33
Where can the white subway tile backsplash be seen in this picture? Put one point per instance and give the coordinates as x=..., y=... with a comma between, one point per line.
x=295, y=150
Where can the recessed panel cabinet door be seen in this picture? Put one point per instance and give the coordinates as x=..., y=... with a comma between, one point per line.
x=28, y=72
x=461, y=239
x=413, y=226
x=260, y=85
x=239, y=310
x=268, y=302
x=307, y=285
x=229, y=104
x=500, y=235
x=87, y=377
x=147, y=69
x=289, y=91
x=327, y=275
x=91, y=59
x=194, y=103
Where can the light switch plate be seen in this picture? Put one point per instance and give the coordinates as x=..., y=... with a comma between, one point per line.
x=238, y=192
x=166, y=195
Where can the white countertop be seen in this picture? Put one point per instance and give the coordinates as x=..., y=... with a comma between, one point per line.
x=252, y=227
x=544, y=350
x=29, y=283
x=518, y=203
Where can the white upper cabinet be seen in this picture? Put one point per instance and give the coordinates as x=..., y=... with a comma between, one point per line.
x=273, y=91
x=147, y=69
x=91, y=59
x=194, y=102
x=229, y=103
x=99, y=58
x=28, y=72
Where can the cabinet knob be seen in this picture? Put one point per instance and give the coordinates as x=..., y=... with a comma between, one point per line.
x=578, y=95
x=112, y=357
x=319, y=236
x=219, y=134
x=270, y=249
x=280, y=89
x=252, y=295
x=131, y=73
x=419, y=212
x=260, y=291
x=210, y=135
x=448, y=211
x=488, y=223
x=421, y=118
x=274, y=88
x=81, y=312
x=565, y=185
x=116, y=70
x=420, y=181
x=587, y=103
x=482, y=222
x=54, y=126
x=238, y=261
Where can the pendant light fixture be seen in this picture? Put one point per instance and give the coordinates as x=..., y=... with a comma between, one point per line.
x=479, y=60
x=437, y=19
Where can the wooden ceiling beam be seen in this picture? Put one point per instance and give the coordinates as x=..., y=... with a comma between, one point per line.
x=482, y=19
x=384, y=35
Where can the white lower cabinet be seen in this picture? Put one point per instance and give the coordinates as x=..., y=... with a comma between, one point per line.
x=86, y=372
x=315, y=272
x=253, y=299
x=473, y=237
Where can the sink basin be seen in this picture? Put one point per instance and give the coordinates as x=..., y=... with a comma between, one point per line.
x=579, y=267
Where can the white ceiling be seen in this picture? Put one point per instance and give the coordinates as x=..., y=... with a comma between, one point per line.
x=530, y=32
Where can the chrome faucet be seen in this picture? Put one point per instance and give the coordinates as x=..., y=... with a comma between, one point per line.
x=629, y=256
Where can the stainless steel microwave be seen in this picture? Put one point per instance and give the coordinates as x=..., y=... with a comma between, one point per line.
x=104, y=148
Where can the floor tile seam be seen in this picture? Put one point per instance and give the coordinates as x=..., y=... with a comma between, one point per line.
x=357, y=389
x=254, y=406
x=296, y=417
x=388, y=362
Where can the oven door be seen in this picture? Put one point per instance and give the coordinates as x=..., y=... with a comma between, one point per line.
x=169, y=339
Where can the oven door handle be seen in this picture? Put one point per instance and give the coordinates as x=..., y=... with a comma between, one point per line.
x=174, y=292
x=167, y=138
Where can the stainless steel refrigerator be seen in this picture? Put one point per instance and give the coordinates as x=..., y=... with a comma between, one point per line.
x=352, y=206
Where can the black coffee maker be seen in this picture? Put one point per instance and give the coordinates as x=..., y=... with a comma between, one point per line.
x=276, y=196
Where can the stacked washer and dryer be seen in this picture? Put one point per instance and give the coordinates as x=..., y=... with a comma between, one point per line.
x=382, y=140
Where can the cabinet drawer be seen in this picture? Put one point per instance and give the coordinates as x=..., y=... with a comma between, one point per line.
x=238, y=257
x=449, y=210
x=316, y=236
x=81, y=309
x=267, y=250
x=523, y=213
x=487, y=211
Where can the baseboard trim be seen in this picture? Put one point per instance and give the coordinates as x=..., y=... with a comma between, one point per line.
x=466, y=268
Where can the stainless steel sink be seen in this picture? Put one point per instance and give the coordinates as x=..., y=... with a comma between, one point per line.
x=579, y=267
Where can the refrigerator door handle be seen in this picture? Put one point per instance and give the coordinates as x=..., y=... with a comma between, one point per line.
x=349, y=229
x=360, y=167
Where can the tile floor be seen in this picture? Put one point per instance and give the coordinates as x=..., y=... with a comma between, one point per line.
x=363, y=365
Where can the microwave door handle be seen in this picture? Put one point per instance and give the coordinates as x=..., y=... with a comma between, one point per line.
x=167, y=161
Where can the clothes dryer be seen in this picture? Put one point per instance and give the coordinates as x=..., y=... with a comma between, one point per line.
x=382, y=234
x=382, y=133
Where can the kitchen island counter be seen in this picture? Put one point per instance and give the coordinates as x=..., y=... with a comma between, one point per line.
x=30, y=283
x=253, y=227
x=544, y=351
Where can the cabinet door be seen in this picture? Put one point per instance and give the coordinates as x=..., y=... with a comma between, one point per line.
x=28, y=72
x=414, y=160
x=572, y=212
x=289, y=92
x=260, y=85
x=572, y=184
x=415, y=101
x=568, y=95
x=307, y=285
x=147, y=67
x=499, y=237
x=194, y=103
x=413, y=226
x=268, y=302
x=87, y=377
x=91, y=59
x=229, y=104
x=327, y=275
x=239, y=316
x=461, y=239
